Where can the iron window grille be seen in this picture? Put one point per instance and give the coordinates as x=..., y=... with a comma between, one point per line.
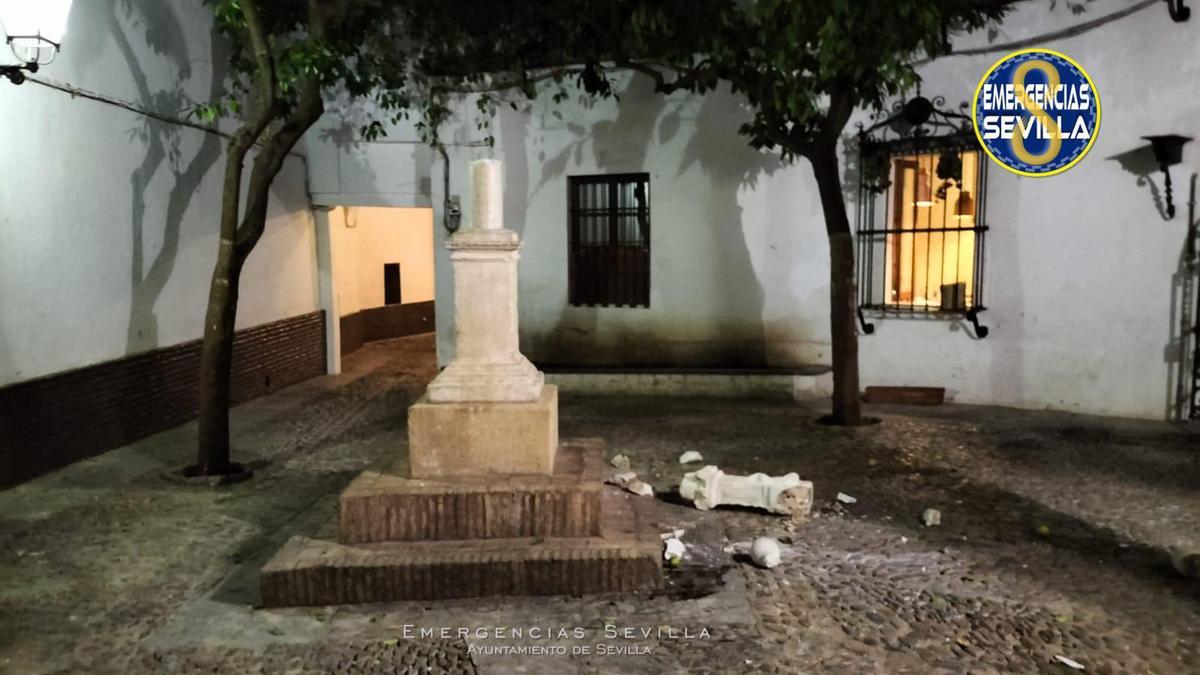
x=921, y=222
x=609, y=240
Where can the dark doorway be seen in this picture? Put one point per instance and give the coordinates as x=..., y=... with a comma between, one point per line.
x=391, y=283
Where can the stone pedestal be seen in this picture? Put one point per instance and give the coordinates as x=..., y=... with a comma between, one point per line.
x=491, y=502
x=488, y=364
x=473, y=438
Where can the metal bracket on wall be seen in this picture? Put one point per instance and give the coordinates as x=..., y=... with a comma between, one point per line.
x=1178, y=11
x=980, y=331
x=867, y=328
x=14, y=74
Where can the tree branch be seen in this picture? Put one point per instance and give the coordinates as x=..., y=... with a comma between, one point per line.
x=259, y=46
x=841, y=107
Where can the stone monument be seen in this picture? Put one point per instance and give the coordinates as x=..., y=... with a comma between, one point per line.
x=490, y=501
x=489, y=411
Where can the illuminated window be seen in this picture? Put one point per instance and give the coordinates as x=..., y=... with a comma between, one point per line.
x=930, y=250
x=921, y=216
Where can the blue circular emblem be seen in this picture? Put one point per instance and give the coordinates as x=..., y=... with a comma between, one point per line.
x=1036, y=112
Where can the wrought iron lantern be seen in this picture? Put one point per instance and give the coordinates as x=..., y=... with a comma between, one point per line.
x=33, y=30
x=1168, y=151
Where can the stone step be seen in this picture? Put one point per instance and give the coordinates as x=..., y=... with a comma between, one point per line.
x=625, y=558
x=797, y=384
x=386, y=506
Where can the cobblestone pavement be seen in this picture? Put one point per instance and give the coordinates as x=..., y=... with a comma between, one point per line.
x=1053, y=543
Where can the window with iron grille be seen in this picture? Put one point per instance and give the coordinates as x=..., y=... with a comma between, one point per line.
x=609, y=240
x=921, y=224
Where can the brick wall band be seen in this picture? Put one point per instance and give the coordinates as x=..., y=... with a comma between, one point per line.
x=58, y=419
x=388, y=321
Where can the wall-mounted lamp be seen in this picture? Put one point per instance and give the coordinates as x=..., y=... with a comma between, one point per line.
x=33, y=30
x=1168, y=151
x=965, y=208
x=1178, y=11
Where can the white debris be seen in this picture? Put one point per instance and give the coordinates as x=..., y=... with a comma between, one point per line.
x=931, y=517
x=765, y=552
x=1185, y=562
x=845, y=498
x=1070, y=663
x=673, y=534
x=620, y=461
x=640, y=488
x=622, y=479
x=690, y=457
x=673, y=549
x=710, y=487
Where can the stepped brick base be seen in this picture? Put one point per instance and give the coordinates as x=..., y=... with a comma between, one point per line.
x=379, y=507
x=427, y=539
x=626, y=557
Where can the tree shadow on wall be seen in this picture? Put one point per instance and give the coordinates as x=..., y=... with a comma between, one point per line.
x=164, y=35
x=698, y=268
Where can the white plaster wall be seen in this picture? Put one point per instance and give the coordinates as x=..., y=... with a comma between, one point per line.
x=108, y=221
x=1079, y=270
x=716, y=263
x=1079, y=266
x=393, y=171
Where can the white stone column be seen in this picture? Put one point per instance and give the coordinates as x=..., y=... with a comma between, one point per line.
x=488, y=364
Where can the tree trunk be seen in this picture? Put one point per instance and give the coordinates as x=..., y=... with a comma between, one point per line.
x=847, y=409
x=216, y=351
x=237, y=241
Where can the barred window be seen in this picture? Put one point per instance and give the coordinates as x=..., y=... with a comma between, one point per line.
x=609, y=240
x=922, y=205
x=929, y=240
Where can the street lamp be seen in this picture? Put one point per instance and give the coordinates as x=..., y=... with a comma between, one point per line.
x=1168, y=151
x=33, y=30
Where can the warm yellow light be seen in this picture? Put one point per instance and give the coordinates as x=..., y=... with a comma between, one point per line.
x=924, y=196
x=965, y=208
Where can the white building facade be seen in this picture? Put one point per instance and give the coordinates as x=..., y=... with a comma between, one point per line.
x=108, y=233
x=1085, y=300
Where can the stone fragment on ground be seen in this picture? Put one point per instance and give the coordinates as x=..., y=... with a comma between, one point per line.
x=640, y=488
x=710, y=487
x=620, y=462
x=1185, y=562
x=798, y=501
x=691, y=457
x=765, y=552
x=673, y=551
x=846, y=499
x=622, y=478
x=931, y=517
x=1069, y=662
